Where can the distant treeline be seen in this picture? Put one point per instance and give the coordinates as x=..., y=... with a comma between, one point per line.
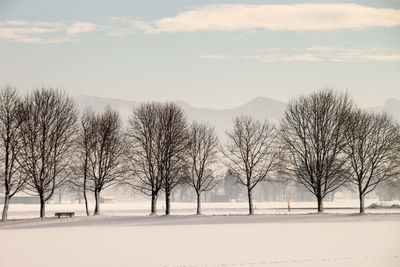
x=323, y=142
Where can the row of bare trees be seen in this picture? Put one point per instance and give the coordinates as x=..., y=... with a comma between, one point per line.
x=43, y=147
x=37, y=133
x=164, y=151
x=322, y=142
x=328, y=142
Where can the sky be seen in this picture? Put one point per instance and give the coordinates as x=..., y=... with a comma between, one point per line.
x=216, y=54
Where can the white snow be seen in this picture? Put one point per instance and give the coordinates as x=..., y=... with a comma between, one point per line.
x=260, y=240
x=125, y=236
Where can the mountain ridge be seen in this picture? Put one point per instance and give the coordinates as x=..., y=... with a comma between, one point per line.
x=260, y=108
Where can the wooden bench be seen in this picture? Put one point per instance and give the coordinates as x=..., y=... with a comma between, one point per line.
x=65, y=213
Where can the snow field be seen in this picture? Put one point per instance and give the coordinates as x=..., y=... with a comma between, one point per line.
x=260, y=240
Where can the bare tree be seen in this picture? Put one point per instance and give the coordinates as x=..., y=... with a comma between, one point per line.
x=85, y=145
x=373, y=151
x=10, y=144
x=144, y=151
x=312, y=131
x=159, y=139
x=105, y=158
x=174, y=142
x=203, y=155
x=47, y=136
x=252, y=152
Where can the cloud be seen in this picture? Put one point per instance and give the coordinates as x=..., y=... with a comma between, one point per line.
x=42, y=32
x=357, y=54
x=296, y=17
x=80, y=27
x=215, y=56
x=286, y=58
x=321, y=54
x=221, y=17
x=135, y=26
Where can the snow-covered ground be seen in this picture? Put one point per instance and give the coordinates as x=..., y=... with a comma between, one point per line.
x=236, y=240
x=142, y=208
x=124, y=236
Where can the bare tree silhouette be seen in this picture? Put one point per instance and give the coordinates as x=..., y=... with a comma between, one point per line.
x=203, y=155
x=85, y=144
x=252, y=152
x=47, y=136
x=372, y=148
x=10, y=144
x=159, y=139
x=313, y=132
x=144, y=151
x=174, y=144
x=105, y=155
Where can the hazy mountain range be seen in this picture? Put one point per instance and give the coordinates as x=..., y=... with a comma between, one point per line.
x=259, y=108
x=391, y=106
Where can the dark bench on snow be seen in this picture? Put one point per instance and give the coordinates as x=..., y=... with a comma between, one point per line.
x=65, y=213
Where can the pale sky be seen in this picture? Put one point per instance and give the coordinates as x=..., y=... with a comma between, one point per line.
x=216, y=54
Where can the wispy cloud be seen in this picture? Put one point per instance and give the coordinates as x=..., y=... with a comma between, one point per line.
x=296, y=17
x=134, y=26
x=320, y=54
x=42, y=32
x=80, y=27
x=216, y=56
x=341, y=54
x=286, y=58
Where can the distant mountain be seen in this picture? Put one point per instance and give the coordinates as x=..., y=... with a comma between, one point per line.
x=98, y=104
x=259, y=108
x=391, y=106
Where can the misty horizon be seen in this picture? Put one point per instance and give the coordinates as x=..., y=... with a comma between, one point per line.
x=388, y=100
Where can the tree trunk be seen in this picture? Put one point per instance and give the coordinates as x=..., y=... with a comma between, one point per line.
x=5, y=208
x=59, y=195
x=97, y=198
x=42, y=206
x=84, y=187
x=85, y=197
x=198, y=204
x=167, y=202
x=251, y=210
x=362, y=206
x=320, y=204
x=153, y=204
